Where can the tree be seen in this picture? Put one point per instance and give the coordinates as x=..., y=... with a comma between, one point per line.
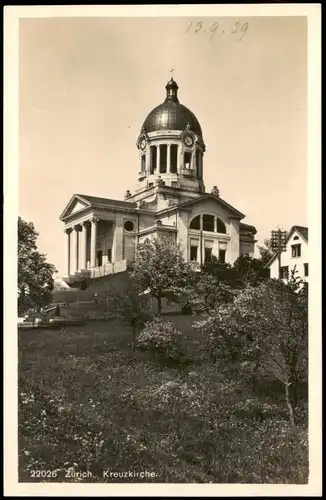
x=210, y=292
x=224, y=272
x=267, y=327
x=35, y=274
x=250, y=270
x=245, y=269
x=160, y=269
x=133, y=308
x=266, y=251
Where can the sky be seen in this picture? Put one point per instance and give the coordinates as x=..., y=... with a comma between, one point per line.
x=87, y=84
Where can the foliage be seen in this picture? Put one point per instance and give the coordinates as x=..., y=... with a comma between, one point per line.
x=250, y=270
x=35, y=274
x=87, y=403
x=211, y=292
x=224, y=272
x=266, y=251
x=245, y=269
x=160, y=268
x=161, y=338
x=132, y=307
x=267, y=326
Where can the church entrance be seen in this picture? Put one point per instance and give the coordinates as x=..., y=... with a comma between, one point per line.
x=99, y=258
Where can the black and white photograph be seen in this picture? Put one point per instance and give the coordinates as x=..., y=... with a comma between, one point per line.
x=162, y=203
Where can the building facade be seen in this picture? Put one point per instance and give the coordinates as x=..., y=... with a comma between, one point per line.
x=294, y=256
x=101, y=234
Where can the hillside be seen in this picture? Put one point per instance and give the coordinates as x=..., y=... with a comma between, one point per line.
x=87, y=403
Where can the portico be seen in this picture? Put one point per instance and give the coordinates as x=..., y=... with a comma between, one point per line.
x=81, y=246
x=95, y=242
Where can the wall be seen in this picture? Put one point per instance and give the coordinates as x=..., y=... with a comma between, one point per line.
x=182, y=235
x=234, y=250
x=146, y=220
x=119, y=281
x=247, y=247
x=288, y=260
x=117, y=251
x=104, y=240
x=129, y=246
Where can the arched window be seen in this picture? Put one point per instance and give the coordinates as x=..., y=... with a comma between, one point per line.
x=195, y=223
x=211, y=223
x=220, y=226
x=208, y=222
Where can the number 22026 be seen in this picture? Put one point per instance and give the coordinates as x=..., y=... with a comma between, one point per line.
x=43, y=473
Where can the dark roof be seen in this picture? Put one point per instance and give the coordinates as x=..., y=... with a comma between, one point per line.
x=171, y=115
x=95, y=200
x=248, y=227
x=201, y=198
x=302, y=230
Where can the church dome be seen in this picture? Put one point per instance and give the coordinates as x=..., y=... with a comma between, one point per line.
x=171, y=115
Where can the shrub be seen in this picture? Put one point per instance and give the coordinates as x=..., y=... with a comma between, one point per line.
x=161, y=339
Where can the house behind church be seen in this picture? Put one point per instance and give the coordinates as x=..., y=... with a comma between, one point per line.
x=294, y=256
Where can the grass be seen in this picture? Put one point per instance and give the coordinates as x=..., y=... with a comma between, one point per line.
x=88, y=403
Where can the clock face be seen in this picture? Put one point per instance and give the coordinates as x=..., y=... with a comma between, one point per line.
x=142, y=144
x=188, y=140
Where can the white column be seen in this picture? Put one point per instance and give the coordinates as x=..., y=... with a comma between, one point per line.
x=215, y=224
x=158, y=159
x=76, y=250
x=148, y=161
x=168, y=159
x=83, y=249
x=94, y=222
x=193, y=161
x=67, y=251
x=180, y=159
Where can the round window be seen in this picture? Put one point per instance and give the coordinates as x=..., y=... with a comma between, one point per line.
x=129, y=226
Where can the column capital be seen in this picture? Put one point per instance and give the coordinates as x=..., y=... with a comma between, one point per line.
x=94, y=220
x=67, y=230
x=85, y=223
x=78, y=228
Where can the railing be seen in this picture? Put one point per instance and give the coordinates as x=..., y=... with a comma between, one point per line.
x=188, y=172
x=109, y=268
x=98, y=272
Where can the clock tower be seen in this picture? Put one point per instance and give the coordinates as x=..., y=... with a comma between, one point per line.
x=171, y=148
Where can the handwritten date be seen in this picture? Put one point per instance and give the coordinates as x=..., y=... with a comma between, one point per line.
x=238, y=29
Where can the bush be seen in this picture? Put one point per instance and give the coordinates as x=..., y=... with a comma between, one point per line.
x=161, y=339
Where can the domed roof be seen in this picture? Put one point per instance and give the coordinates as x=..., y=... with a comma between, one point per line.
x=171, y=115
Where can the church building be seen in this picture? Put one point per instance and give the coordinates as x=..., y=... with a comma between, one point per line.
x=102, y=234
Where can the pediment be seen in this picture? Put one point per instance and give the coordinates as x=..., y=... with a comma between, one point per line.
x=210, y=200
x=76, y=204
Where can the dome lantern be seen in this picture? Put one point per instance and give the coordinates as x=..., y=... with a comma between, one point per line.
x=172, y=91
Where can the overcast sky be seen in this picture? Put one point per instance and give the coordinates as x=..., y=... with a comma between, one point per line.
x=87, y=84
